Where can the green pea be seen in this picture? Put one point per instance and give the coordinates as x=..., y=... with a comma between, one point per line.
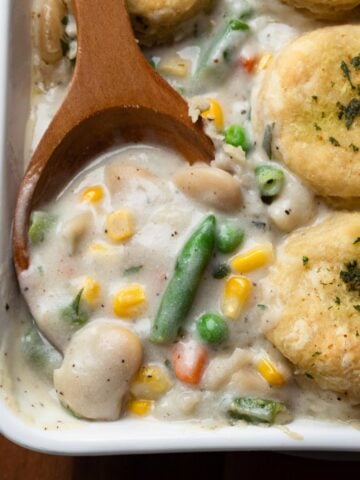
x=212, y=328
x=221, y=270
x=229, y=236
x=270, y=180
x=236, y=135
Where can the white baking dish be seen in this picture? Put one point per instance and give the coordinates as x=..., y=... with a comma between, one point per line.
x=125, y=436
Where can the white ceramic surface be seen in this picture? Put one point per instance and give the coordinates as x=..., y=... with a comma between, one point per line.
x=125, y=436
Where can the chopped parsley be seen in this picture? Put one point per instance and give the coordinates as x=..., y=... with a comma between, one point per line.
x=317, y=127
x=357, y=307
x=316, y=354
x=334, y=141
x=258, y=224
x=355, y=62
x=308, y=375
x=305, y=260
x=354, y=148
x=134, y=269
x=356, y=241
x=73, y=314
x=227, y=55
x=346, y=71
x=261, y=306
x=315, y=98
x=349, y=112
x=267, y=140
x=221, y=270
x=351, y=276
x=337, y=301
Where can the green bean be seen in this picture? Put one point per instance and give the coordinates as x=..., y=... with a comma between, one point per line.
x=216, y=57
x=229, y=236
x=181, y=290
x=73, y=314
x=270, y=180
x=39, y=353
x=41, y=224
x=236, y=136
x=212, y=328
x=255, y=410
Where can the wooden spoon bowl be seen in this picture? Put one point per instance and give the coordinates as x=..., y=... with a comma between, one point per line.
x=115, y=97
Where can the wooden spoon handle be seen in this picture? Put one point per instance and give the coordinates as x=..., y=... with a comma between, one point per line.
x=111, y=65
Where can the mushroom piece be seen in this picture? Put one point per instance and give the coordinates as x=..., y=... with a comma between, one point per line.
x=99, y=364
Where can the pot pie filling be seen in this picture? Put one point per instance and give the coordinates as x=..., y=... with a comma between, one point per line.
x=220, y=293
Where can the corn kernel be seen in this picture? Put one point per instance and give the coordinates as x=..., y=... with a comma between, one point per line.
x=91, y=290
x=215, y=113
x=175, y=66
x=129, y=302
x=256, y=258
x=119, y=225
x=140, y=407
x=98, y=248
x=93, y=194
x=269, y=371
x=236, y=293
x=264, y=61
x=151, y=382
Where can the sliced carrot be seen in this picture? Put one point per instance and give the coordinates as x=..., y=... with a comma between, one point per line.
x=248, y=63
x=188, y=361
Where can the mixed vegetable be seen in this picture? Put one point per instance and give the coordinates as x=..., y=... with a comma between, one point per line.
x=181, y=290
x=190, y=353
x=224, y=253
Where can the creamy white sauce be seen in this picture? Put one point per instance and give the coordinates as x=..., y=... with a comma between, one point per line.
x=164, y=220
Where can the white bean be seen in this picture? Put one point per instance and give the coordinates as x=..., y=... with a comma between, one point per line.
x=51, y=30
x=211, y=186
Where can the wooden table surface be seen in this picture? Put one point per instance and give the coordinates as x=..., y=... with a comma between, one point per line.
x=19, y=464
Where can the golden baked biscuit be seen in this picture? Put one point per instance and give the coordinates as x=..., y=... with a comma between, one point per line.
x=325, y=9
x=158, y=21
x=316, y=284
x=309, y=103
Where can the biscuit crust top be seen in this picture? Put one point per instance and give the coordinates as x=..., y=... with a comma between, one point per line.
x=310, y=96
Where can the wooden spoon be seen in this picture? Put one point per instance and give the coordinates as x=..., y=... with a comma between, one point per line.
x=115, y=96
